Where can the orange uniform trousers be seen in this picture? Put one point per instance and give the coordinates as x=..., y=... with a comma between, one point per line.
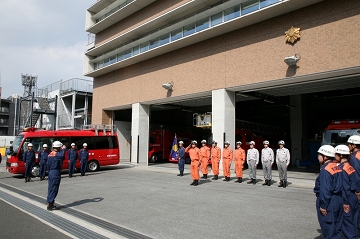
x=215, y=158
x=226, y=167
x=239, y=158
x=194, y=169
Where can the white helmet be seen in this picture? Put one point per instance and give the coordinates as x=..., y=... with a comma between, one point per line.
x=72, y=144
x=85, y=144
x=281, y=142
x=342, y=149
x=327, y=150
x=45, y=146
x=194, y=142
x=266, y=142
x=252, y=142
x=181, y=142
x=214, y=142
x=355, y=139
x=30, y=145
x=57, y=144
x=238, y=143
x=203, y=141
x=227, y=142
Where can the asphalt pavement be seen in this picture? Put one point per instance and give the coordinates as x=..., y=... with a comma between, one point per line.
x=126, y=201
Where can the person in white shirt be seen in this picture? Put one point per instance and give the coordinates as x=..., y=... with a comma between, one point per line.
x=282, y=161
x=267, y=160
x=252, y=160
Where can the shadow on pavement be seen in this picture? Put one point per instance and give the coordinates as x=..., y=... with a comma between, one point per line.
x=81, y=202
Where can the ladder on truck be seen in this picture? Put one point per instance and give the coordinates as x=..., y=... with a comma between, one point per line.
x=100, y=127
x=258, y=128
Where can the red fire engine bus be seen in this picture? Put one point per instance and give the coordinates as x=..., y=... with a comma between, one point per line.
x=102, y=144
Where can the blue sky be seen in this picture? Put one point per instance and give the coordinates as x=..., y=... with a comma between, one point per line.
x=45, y=38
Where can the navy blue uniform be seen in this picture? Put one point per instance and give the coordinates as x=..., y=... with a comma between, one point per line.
x=181, y=161
x=84, y=156
x=350, y=182
x=355, y=163
x=72, y=156
x=29, y=159
x=328, y=189
x=54, y=164
x=43, y=156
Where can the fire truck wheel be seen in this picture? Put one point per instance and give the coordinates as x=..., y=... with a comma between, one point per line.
x=93, y=166
x=35, y=170
x=187, y=160
x=154, y=158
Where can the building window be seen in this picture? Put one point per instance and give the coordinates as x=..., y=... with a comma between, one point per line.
x=202, y=24
x=106, y=62
x=216, y=19
x=144, y=47
x=112, y=59
x=232, y=13
x=101, y=64
x=164, y=39
x=120, y=56
x=265, y=3
x=189, y=29
x=136, y=50
x=249, y=6
x=127, y=54
x=176, y=34
x=154, y=43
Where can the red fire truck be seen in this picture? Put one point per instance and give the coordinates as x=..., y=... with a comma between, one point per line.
x=102, y=144
x=338, y=131
x=161, y=141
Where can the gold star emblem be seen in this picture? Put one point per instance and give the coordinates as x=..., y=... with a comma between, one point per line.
x=292, y=35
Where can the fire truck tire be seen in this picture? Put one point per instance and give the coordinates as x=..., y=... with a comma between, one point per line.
x=35, y=170
x=93, y=166
x=187, y=160
x=154, y=158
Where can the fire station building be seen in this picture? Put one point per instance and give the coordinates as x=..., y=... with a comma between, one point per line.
x=290, y=64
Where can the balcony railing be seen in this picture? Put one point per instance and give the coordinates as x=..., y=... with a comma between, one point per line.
x=76, y=85
x=114, y=10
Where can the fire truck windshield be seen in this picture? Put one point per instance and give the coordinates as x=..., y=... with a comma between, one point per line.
x=16, y=143
x=336, y=137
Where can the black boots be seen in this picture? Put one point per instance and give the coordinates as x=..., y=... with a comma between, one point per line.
x=265, y=183
x=269, y=182
x=181, y=174
x=28, y=179
x=216, y=177
x=204, y=176
x=281, y=183
x=252, y=181
x=195, y=183
x=227, y=179
x=239, y=180
x=284, y=184
x=51, y=207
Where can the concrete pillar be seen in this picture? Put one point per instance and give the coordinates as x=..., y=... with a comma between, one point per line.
x=73, y=110
x=124, y=137
x=296, y=128
x=223, y=117
x=140, y=134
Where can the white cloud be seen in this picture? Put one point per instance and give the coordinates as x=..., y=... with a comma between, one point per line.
x=43, y=38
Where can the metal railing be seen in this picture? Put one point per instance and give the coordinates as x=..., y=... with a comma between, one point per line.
x=91, y=38
x=114, y=10
x=76, y=84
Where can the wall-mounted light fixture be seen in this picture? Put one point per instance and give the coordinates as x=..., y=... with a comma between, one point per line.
x=168, y=86
x=292, y=60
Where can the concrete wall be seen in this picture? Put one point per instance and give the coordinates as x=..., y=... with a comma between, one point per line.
x=246, y=56
x=124, y=137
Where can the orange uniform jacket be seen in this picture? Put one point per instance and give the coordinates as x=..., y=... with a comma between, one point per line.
x=239, y=155
x=227, y=154
x=205, y=153
x=194, y=153
x=215, y=154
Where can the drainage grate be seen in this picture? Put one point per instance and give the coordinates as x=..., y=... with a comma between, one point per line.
x=96, y=221
x=64, y=224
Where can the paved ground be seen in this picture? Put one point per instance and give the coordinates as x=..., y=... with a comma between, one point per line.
x=155, y=202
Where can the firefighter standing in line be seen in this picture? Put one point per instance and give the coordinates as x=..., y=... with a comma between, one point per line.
x=72, y=156
x=194, y=154
x=54, y=162
x=282, y=161
x=350, y=186
x=328, y=190
x=29, y=159
x=239, y=158
x=181, y=160
x=84, y=156
x=204, y=158
x=354, y=147
x=252, y=161
x=227, y=156
x=215, y=159
x=43, y=156
x=267, y=160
